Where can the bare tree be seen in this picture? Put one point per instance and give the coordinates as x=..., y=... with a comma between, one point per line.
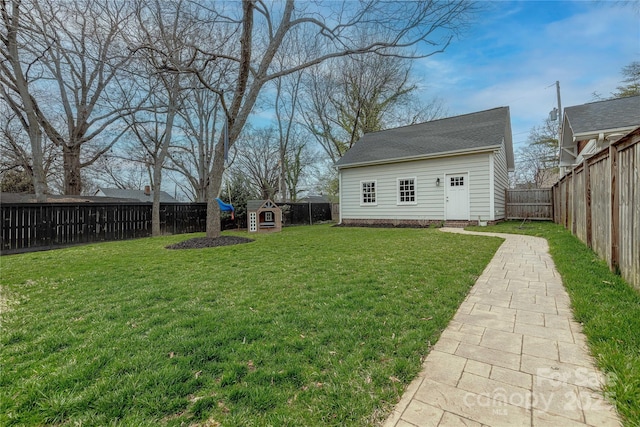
x=202, y=120
x=538, y=160
x=631, y=81
x=350, y=96
x=114, y=170
x=298, y=161
x=290, y=146
x=262, y=32
x=16, y=91
x=77, y=52
x=15, y=149
x=258, y=154
x=154, y=131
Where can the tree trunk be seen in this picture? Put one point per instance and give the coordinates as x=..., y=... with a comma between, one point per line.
x=162, y=155
x=71, y=161
x=39, y=176
x=155, y=208
x=22, y=86
x=235, y=122
x=213, y=191
x=214, y=223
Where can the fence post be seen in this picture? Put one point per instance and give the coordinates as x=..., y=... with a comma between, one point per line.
x=553, y=202
x=566, y=203
x=507, y=213
x=574, y=222
x=615, y=209
x=587, y=202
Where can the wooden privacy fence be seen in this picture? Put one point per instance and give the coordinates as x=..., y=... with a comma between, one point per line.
x=36, y=226
x=599, y=201
x=305, y=213
x=535, y=203
x=293, y=213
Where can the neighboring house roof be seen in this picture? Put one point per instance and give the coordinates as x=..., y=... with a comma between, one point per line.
x=602, y=116
x=315, y=199
x=596, y=123
x=57, y=198
x=134, y=194
x=469, y=133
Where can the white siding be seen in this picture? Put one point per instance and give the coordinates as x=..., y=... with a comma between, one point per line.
x=429, y=197
x=501, y=180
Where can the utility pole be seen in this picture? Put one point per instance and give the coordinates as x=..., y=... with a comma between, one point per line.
x=556, y=114
x=559, y=109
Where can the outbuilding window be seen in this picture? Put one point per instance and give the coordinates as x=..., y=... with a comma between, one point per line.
x=457, y=181
x=368, y=192
x=406, y=191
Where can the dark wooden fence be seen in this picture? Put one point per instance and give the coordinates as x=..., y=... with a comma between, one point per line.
x=292, y=214
x=305, y=213
x=599, y=202
x=39, y=226
x=535, y=203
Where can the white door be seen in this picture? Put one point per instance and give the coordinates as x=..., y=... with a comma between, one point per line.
x=457, y=196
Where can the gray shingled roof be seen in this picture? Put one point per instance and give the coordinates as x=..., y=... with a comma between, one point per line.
x=136, y=194
x=603, y=115
x=254, y=205
x=57, y=198
x=469, y=132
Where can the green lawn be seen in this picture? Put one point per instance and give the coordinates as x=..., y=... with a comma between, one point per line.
x=607, y=306
x=312, y=326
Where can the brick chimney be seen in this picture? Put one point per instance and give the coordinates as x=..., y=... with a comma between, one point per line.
x=147, y=190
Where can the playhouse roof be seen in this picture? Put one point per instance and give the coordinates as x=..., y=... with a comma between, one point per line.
x=254, y=205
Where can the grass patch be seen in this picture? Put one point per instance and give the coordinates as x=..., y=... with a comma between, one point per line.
x=607, y=307
x=311, y=326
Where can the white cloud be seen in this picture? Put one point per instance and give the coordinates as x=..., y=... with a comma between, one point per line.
x=512, y=59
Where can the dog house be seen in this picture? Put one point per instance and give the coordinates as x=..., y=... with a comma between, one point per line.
x=264, y=216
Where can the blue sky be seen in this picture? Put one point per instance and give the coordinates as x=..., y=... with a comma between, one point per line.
x=513, y=53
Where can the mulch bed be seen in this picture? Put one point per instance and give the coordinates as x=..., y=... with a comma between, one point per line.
x=207, y=242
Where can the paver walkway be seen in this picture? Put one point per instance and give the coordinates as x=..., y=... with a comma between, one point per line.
x=512, y=355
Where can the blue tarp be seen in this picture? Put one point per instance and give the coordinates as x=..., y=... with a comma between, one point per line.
x=225, y=206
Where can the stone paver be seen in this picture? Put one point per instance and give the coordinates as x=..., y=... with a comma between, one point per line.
x=512, y=355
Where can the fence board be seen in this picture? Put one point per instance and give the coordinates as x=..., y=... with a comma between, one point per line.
x=604, y=198
x=580, y=207
x=536, y=203
x=601, y=207
x=629, y=256
x=33, y=226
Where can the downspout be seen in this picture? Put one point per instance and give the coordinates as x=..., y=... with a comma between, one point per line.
x=340, y=196
x=492, y=187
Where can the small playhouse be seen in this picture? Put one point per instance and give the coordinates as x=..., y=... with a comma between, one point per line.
x=263, y=216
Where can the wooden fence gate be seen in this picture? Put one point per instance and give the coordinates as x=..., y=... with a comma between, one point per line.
x=535, y=203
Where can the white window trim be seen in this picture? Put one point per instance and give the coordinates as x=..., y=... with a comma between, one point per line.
x=253, y=223
x=375, y=185
x=415, y=191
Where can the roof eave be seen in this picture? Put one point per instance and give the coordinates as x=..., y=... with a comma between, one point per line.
x=580, y=136
x=420, y=157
